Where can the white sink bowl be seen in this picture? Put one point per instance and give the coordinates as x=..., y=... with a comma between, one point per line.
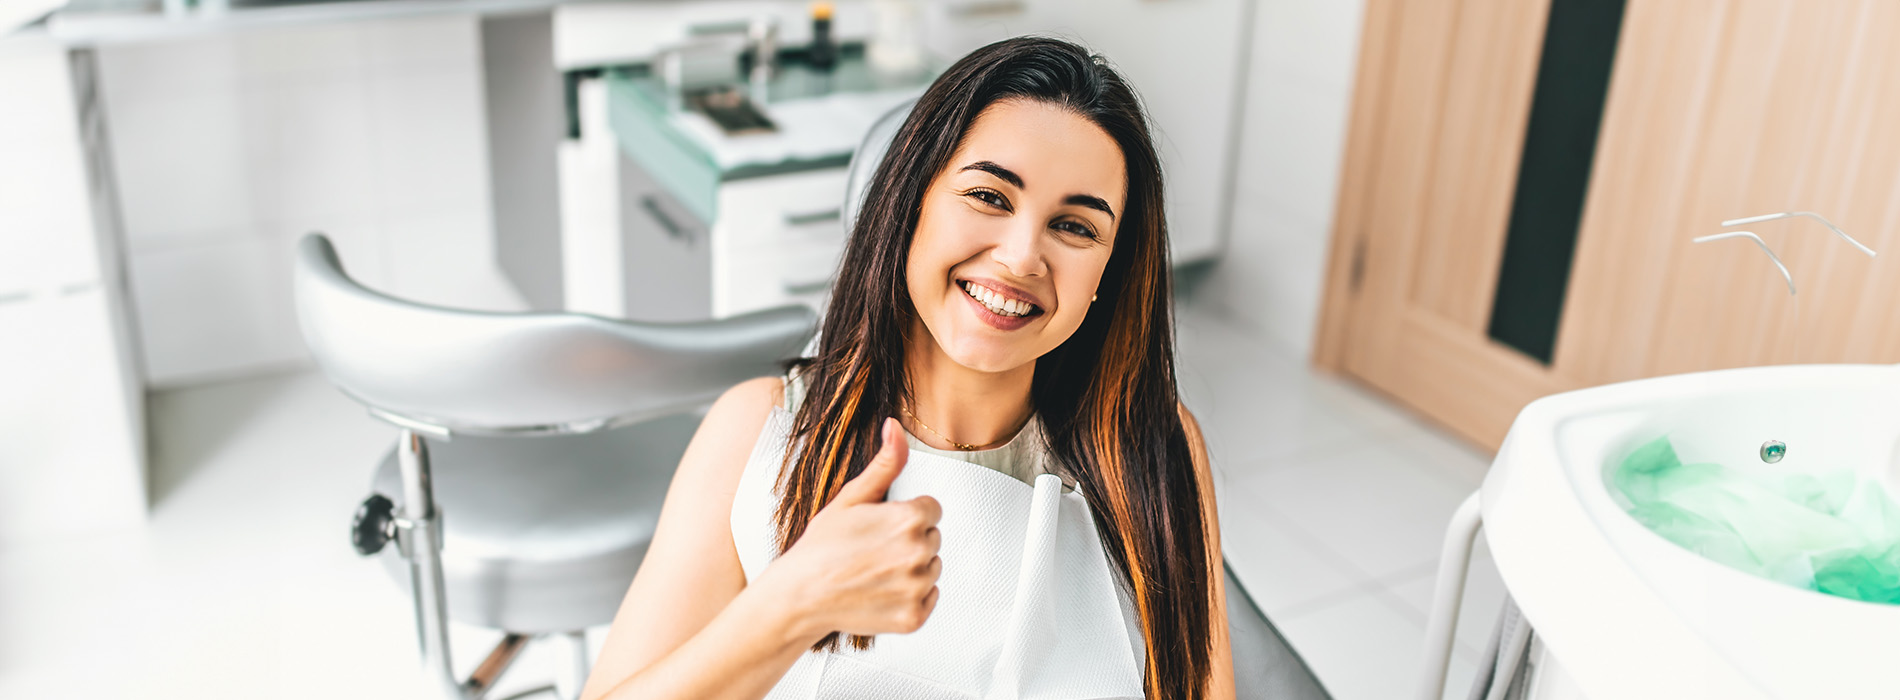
x=1631, y=615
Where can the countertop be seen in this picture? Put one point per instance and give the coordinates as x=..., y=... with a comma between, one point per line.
x=106, y=22
x=589, y=32
x=821, y=118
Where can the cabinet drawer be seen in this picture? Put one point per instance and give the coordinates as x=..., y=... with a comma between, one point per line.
x=778, y=240
x=667, y=252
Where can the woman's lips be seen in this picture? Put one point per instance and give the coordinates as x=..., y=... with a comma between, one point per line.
x=997, y=290
x=995, y=320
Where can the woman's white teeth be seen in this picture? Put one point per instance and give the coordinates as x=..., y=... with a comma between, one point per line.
x=996, y=302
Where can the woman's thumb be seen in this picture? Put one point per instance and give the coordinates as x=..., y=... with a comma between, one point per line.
x=871, y=484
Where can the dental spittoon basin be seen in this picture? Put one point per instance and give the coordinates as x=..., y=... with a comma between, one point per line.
x=1630, y=614
x=1829, y=531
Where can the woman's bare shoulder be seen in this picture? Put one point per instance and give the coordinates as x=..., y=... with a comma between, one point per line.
x=735, y=420
x=753, y=397
x=715, y=461
x=724, y=441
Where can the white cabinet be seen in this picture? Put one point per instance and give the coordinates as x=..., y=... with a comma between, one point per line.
x=70, y=451
x=632, y=249
x=777, y=241
x=71, y=404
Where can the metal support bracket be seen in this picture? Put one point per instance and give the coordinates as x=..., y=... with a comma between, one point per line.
x=1447, y=594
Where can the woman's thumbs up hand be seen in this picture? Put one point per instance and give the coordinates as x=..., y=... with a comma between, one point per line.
x=865, y=566
x=871, y=485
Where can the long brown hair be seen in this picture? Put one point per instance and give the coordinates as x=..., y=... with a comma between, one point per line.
x=1106, y=395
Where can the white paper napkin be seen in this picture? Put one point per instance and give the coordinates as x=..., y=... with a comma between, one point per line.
x=1028, y=608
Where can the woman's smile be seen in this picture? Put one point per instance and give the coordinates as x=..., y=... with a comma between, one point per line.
x=1001, y=306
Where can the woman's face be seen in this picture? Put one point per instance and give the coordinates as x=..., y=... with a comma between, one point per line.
x=1013, y=236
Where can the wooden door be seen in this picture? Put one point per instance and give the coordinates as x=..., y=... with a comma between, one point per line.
x=1715, y=109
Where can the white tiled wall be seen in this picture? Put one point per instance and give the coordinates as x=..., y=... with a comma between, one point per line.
x=1292, y=141
x=228, y=148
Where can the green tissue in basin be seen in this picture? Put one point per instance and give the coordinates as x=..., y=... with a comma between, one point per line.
x=1835, y=533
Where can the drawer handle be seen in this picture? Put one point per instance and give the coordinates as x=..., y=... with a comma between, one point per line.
x=15, y=296
x=807, y=218
x=806, y=287
x=673, y=229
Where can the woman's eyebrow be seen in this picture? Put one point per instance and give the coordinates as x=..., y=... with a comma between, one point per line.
x=1002, y=173
x=1090, y=201
x=1010, y=176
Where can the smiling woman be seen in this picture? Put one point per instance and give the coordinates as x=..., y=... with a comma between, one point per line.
x=1003, y=303
x=1015, y=234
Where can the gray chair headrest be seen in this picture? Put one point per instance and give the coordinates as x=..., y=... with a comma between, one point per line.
x=870, y=154
x=489, y=372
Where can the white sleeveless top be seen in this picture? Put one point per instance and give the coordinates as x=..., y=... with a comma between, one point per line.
x=1028, y=605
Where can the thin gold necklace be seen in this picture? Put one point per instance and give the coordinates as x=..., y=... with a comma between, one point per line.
x=964, y=446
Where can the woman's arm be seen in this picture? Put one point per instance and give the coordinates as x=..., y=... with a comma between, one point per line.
x=690, y=587
x=1220, y=681
x=690, y=627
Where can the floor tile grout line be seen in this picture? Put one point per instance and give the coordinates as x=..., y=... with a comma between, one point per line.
x=1392, y=582
x=1364, y=590
x=1362, y=581
x=1327, y=557
x=1314, y=545
x=1439, y=470
x=1356, y=589
x=1301, y=458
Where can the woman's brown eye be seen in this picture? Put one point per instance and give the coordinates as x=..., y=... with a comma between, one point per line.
x=1077, y=228
x=987, y=197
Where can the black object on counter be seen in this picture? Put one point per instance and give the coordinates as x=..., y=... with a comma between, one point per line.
x=823, y=52
x=732, y=111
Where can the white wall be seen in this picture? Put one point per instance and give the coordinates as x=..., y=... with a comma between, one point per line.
x=1293, y=139
x=228, y=148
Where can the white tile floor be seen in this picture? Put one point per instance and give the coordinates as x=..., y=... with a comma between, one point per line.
x=243, y=584
x=1333, y=509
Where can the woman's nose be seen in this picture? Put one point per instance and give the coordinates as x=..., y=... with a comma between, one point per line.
x=1020, y=250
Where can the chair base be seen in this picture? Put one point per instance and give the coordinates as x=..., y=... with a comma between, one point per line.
x=542, y=535
x=549, y=520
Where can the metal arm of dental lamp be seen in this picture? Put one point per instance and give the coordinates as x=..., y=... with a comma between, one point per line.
x=1776, y=259
x=1792, y=214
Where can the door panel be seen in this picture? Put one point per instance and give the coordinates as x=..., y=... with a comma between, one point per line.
x=1653, y=124
x=1773, y=112
x=1716, y=109
x=1489, y=78
x=1461, y=73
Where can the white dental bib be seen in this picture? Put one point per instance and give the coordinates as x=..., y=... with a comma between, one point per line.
x=1028, y=608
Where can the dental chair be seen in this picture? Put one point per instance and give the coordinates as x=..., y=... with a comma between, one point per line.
x=1265, y=665
x=556, y=436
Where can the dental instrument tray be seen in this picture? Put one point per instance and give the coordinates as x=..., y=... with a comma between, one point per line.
x=731, y=110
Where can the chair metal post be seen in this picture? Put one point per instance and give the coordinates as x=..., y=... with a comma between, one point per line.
x=574, y=664
x=1440, y=628
x=420, y=535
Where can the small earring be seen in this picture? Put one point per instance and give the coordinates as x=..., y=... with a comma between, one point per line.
x=1091, y=297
